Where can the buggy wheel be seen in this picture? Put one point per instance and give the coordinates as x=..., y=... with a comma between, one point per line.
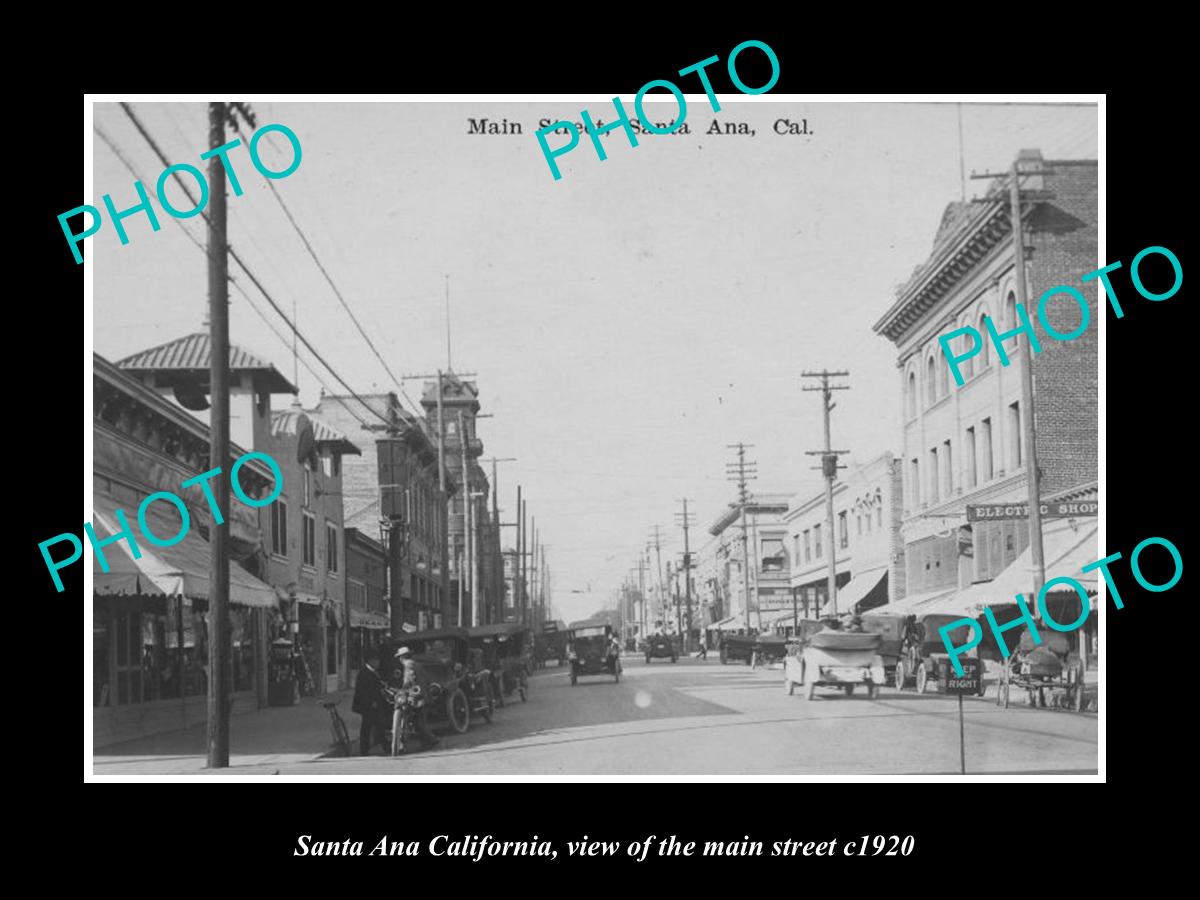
x=922, y=678
x=899, y=677
x=458, y=711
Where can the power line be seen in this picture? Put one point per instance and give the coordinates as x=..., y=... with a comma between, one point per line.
x=237, y=285
x=249, y=274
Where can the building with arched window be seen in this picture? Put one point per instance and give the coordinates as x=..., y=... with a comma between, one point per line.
x=965, y=445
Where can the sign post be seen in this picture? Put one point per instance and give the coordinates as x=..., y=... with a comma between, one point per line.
x=968, y=683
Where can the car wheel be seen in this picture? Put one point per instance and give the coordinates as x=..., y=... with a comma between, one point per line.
x=724, y=658
x=899, y=677
x=812, y=691
x=524, y=688
x=848, y=689
x=647, y=659
x=922, y=678
x=574, y=678
x=498, y=692
x=790, y=685
x=872, y=691
x=673, y=659
x=458, y=711
x=617, y=676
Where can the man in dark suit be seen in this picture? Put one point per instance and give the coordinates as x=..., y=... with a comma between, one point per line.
x=371, y=704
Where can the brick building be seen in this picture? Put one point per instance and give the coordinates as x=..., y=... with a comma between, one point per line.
x=964, y=445
x=766, y=587
x=420, y=506
x=366, y=601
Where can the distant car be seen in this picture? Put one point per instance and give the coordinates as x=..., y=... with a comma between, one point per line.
x=923, y=657
x=737, y=646
x=505, y=649
x=660, y=646
x=590, y=651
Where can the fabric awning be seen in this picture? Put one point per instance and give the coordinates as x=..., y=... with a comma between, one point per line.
x=360, y=618
x=916, y=604
x=728, y=622
x=857, y=588
x=1066, y=551
x=181, y=569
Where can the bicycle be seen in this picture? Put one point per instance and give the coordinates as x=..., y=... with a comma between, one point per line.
x=341, y=736
x=406, y=707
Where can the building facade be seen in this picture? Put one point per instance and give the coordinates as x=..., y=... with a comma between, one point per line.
x=411, y=523
x=868, y=551
x=476, y=571
x=764, y=590
x=366, y=600
x=150, y=614
x=965, y=445
x=305, y=531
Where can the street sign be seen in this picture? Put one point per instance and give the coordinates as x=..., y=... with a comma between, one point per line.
x=970, y=680
x=990, y=512
x=548, y=627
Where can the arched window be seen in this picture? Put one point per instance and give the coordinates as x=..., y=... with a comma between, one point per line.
x=911, y=397
x=1011, y=346
x=930, y=382
x=966, y=368
x=985, y=359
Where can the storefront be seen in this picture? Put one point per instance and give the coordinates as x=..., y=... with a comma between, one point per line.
x=150, y=632
x=368, y=630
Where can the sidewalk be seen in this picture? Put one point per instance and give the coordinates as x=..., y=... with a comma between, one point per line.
x=277, y=734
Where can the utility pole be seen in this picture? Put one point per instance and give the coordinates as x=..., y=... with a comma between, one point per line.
x=662, y=601
x=642, y=590
x=219, y=654
x=685, y=521
x=829, y=468
x=518, y=574
x=1029, y=430
x=499, y=562
x=524, y=565
x=741, y=472
x=464, y=561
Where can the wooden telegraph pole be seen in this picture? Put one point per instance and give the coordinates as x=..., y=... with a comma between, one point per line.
x=829, y=468
x=218, y=582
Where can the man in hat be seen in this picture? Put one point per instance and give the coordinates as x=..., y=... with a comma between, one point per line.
x=371, y=703
x=408, y=680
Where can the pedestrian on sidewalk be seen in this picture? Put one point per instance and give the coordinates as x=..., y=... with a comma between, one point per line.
x=703, y=648
x=370, y=703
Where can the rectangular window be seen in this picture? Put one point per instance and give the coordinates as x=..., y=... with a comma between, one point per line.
x=989, y=463
x=306, y=498
x=807, y=547
x=331, y=548
x=972, y=468
x=947, y=470
x=858, y=521
x=914, y=482
x=772, y=555
x=279, y=536
x=817, y=540
x=843, y=530
x=1014, y=430
x=309, y=552
x=932, y=475
x=337, y=465
x=879, y=516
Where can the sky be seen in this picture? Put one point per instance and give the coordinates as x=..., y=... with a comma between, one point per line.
x=625, y=323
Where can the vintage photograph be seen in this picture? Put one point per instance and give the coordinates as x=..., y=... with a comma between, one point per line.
x=764, y=447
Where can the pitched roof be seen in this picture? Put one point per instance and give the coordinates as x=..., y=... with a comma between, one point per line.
x=192, y=353
x=287, y=422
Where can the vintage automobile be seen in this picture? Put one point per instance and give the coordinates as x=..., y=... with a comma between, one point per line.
x=836, y=658
x=768, y=649
x=1035, y=668
x=451, y=691
x=891, y=628
x=660, y=646
x=737, y=647
x=553, y=646
x=506, y=654
x=923, y=658
x=590, y=651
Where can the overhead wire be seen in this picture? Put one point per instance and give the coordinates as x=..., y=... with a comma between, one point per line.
x=232, y=280
x=249, y=273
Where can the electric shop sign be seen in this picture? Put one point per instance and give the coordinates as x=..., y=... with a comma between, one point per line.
x=991, y=512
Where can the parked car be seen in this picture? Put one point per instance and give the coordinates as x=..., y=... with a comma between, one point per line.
x=736, y=647
x=890, y=627
x=836, y=658
x=452, y=692
x=923, y=658
x=590, y=651
x=660, y=646
x=507, y=655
